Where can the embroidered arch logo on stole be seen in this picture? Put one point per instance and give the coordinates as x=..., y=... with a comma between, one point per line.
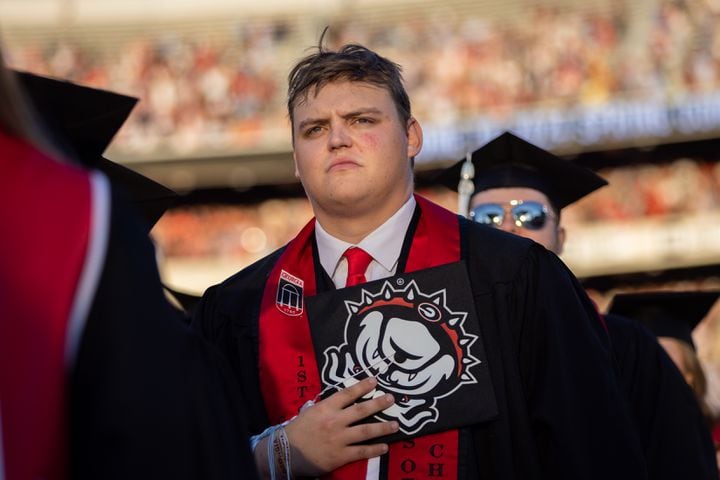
x=289, y=296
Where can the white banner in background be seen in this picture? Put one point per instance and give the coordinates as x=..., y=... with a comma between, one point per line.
x=643, y=245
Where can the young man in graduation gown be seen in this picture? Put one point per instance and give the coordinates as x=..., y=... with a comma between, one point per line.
x=560, y=413
x=99, y=376
x=522, y=189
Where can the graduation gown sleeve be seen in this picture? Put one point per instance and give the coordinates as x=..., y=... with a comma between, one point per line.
x=227, y=317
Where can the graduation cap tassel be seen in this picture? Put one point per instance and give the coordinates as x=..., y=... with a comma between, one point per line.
x=466, y=186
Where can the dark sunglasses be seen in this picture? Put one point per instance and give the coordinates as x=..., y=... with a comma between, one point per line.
x=525, y=214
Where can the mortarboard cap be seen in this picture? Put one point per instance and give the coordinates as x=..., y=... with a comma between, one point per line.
x=151, y=198
x=666, y=314
x=79, y=118
x=82, y=122
x=510, y=161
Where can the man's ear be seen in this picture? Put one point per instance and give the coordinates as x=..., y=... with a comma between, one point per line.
x=415, y=137
x=297, y=174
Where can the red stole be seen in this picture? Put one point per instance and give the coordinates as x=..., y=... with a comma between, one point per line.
x=288, y=372
x=45, y=214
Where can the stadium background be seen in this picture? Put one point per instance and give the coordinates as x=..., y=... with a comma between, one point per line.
x=630, y=88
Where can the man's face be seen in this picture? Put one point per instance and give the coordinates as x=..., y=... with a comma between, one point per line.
x=352, y=152
x=551, y=235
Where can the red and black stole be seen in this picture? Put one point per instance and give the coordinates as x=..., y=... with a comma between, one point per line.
x=46, y=214
x=288, y=372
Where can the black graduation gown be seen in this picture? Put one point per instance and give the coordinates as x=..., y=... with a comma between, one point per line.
x=673, y=431
x=149, y=398
x=561, y=414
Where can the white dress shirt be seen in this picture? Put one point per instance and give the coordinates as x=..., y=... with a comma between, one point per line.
x=384, y=245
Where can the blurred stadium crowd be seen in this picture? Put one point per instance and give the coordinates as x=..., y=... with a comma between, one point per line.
x=224, y=90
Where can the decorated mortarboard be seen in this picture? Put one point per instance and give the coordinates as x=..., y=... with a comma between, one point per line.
x=418, y=334
x=510, y=161
x=82, y=122
x=666, y=314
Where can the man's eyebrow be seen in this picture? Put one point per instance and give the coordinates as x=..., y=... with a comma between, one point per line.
x=311, y=121
x=351, y=114
x=361, y=111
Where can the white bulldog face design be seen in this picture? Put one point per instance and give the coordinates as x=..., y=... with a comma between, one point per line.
x=415, y=362
x=412, y=343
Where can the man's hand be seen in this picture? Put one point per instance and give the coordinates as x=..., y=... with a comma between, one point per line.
x=322, y=437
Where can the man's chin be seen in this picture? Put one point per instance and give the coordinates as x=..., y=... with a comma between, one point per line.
x=351, y=203
x=347, y=203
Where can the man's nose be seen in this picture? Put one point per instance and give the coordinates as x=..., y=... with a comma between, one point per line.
x=508, y=222
x=508, y=225
x=339, y=137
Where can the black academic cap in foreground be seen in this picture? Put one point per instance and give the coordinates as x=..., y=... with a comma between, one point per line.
x=151, y=198
x=666, y=314
x=510, y=161
x=82, y=122
x=81, y=119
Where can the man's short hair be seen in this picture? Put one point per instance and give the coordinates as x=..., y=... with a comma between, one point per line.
x=353, y=63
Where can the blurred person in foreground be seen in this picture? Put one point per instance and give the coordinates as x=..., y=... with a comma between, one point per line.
x=557, y=409
x=522, y=189
x=99, y=376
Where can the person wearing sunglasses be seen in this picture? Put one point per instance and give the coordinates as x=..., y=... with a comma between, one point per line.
x=522, y=211
x=513, y=185
x=521, y=188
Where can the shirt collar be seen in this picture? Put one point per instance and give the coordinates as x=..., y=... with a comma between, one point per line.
x=384, y=243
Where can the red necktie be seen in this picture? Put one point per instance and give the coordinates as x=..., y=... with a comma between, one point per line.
x=358, y=261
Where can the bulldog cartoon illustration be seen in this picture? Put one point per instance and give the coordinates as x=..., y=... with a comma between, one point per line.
x=412, y=342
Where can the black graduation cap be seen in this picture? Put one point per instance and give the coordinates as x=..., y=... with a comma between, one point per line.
x=510, y=161
x=666, y=314
x=150, y=197
x=82, y=122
